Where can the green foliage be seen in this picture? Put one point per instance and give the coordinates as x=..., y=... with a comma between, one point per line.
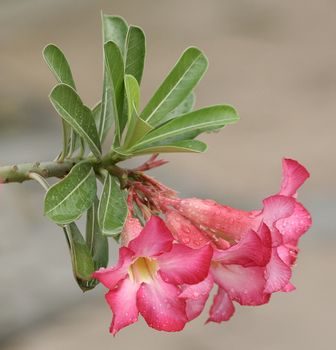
x=114, y=70
x=81, y=259
x=60, y=67
x=96, y=242
x=112, y=210
x=166, y=124
x=135, y=52
x=188, y=126
x=68, y=199
x=176, y=87
x=70, y=107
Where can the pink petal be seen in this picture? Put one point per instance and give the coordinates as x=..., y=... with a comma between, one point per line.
x=185, y=265
x=122, y=301
x=222, y=308
x=294, y=226
x=196, y=296
x=250, y=250
x=159, y=304
x=233, y=223
x=288, y=288
x=184, y=231
x=131, y=230
x=243, y=284
x=277, y=274
x=293, y=176
x=288, y=254
x=154, y=239
x=110, y=276
x=277, y=207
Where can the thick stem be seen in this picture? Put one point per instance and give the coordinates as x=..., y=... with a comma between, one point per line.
x=21, y=172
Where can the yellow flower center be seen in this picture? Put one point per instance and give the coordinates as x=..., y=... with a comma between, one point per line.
x=143, y=270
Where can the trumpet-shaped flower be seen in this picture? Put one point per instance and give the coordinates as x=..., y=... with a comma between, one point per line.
x=253, y=250
x=148, y=277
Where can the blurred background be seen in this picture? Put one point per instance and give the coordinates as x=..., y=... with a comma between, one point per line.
x=275, y=61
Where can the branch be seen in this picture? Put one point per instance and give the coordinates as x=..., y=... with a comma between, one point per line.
x=21, y=172
x=59, y=169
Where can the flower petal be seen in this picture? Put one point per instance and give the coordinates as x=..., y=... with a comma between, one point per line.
x=277, y=274
x=122, y=301
x=204, y=212
x=196, y=296
x=294, y=226
x=293, y=176
x=131, y=230
x=110, y=276
x=159, y=304
x=250, y=250
x=222, y=308
x=154, y=239
x=185, y=265
x=184, y=231
x=288, y=288
x=288, y=254
x=277, y=207
x=243, y=284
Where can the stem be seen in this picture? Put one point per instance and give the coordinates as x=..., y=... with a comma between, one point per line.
x=22, y=172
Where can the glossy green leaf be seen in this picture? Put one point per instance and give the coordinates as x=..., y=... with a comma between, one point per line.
x=136, y=127
x=96, y=241
x=176, y=87
x=115, y=29
x=193, y=146
x=58, y=65
x=112, y=210
x=184, y=107
x=188, y=126
x=82, y=262
x=113, y=98
x=135, y=52
x=70, y=107
x=96, y=113
x=68, y=199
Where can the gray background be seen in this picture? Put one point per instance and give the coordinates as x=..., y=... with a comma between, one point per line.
x=275, y=61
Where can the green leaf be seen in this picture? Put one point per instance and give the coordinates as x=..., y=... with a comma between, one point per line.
x=58, y=65
x=136, y=127
x=188, y=126
x=113, y=98
x=96, y=113
x=82, y=262
x=70, y=107
x=96, y=241
x=115, y=29
x=135, y=52
x=176, y=87
x=61, y=69
x=68, y=199
x=193, y=146
x=112, y=210
x=184, y=107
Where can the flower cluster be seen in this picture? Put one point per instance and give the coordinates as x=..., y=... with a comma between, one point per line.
x=167, y=269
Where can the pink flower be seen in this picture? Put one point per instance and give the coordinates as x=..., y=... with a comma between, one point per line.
x=254, y=251
x=148, y=277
